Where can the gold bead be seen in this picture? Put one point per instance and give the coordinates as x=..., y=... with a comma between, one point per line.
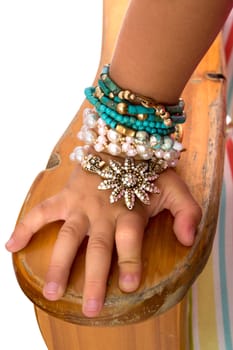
x=160, y=110
x=111, y=95
x=165, y=115
x=98, y=92
x=127, y=94
x=167, y=122
x=130, y=132
x=122, y=108
x=121, y=129
x=121, y=95
x=141, y=116
x=132, y=97
x=125, y=131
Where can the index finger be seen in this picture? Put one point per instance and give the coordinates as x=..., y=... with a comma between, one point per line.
x=49, y=210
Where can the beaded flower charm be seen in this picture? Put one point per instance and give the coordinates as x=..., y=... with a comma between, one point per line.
x=129, y=180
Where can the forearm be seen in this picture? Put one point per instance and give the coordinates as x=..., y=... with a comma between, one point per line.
x=162, y=41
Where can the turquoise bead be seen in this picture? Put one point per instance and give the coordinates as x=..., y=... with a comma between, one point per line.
x=103, y=87
x=102, y=108
x=105, y=69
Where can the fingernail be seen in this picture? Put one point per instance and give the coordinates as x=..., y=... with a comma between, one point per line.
x=10, y=243
x=91, y=306
x=129, y=282
x=51, y=289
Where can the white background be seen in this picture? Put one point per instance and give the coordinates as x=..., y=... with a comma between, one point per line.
x=49, y=52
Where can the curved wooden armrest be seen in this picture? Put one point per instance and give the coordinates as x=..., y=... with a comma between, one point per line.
x=168, y=267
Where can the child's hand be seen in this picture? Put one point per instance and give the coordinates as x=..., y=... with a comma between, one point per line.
x=87, y=211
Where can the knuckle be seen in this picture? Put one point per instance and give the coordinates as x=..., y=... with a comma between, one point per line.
x=57, y=271
x=43, y=208
x=94, y=284
x=134, y=262
x=98, y=241
x=68, y=230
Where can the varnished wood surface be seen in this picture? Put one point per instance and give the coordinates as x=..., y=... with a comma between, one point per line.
x=165, y=332
x=168, y=267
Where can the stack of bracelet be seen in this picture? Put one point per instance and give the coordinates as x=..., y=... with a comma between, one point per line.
x=124, y=124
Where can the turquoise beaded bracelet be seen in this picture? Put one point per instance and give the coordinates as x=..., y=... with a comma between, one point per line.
x=113, y=118
x=128, y=112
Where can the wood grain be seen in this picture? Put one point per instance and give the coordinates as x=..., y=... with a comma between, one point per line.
x=166, y=332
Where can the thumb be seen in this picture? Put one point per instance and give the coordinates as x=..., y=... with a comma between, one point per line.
x=184, y=208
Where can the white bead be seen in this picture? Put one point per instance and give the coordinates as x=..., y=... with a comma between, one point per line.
x=142, y=136
x=177, y=146
x=147, y=155
x=129, y=139
x=84, y=128
x=159, y=153
x=168, y=142
x=87, y=111
x=170, y=155
x=167, y=156
x=99, y=147
x=101, y=139
x=114, y=149
x=79, y=150
x=154, y=140
x=79, y=157
x=113, y=136
x=102, y=130
x=131, y=152
x=166, y=146
x=101, y=122
x=90, y=120
x=86, y=149
x=78, y=153
x=80, y=135
x=141, y=149
x=90, y=137
x=125, y=147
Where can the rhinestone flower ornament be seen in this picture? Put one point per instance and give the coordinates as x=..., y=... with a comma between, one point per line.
x=128, y=180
